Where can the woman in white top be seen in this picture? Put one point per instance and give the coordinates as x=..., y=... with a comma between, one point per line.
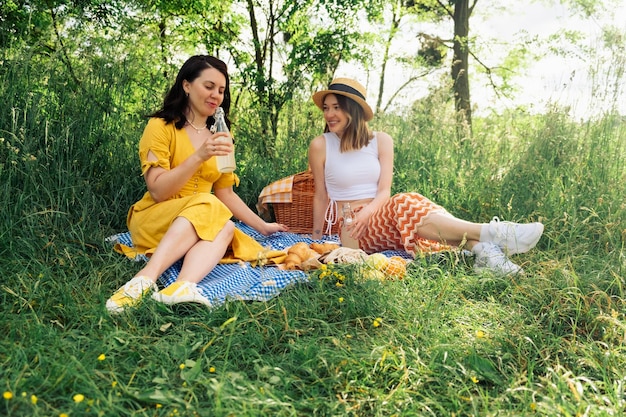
x=352, y=164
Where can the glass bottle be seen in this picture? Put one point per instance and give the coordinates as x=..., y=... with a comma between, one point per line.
x=225, y=163
x=348, y=241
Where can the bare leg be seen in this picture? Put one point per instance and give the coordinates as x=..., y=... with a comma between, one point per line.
x=446, y=228
x=202, y=257
x=178, y=241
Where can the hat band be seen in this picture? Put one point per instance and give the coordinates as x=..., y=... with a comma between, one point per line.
x=346, y=89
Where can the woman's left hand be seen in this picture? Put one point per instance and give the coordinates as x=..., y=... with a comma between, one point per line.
x=271, y=228
x=359, y=225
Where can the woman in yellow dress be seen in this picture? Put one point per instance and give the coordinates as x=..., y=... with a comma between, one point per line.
x=187, y=209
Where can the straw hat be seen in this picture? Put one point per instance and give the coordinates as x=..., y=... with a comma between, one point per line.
x=345, y=87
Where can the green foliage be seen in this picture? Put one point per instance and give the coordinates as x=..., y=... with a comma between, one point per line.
x=444, y=341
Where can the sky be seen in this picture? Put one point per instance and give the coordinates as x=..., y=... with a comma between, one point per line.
x=560, y=79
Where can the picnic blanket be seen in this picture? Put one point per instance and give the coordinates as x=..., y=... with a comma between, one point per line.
x=242, y=281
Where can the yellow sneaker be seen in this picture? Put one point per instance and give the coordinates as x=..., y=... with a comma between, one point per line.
x=130, y=294
x=181, y=292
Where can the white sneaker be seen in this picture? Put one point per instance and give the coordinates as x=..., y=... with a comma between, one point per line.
x=130, y=294
x=489, y=257
x=181, y=292
x=511, y=237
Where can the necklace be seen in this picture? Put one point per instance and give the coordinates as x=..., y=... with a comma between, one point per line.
x=197, y=129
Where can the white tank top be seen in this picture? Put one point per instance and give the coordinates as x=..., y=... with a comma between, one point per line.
x=351, y=175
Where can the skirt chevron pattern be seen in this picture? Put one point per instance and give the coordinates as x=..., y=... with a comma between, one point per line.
x=394, y=226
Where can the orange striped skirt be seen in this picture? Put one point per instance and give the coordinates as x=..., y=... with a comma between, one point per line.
x=394, y=226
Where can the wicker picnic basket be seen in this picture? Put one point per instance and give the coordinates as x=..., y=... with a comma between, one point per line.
x=298, y=215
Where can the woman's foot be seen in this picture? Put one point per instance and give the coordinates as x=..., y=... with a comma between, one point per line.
x=181, y=292
x=130, y=294
x=511, y=237
x=489, y=257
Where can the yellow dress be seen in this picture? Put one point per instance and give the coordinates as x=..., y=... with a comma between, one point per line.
x=148, y=220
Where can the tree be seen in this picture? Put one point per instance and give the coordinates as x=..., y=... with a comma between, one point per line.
x=460, y=14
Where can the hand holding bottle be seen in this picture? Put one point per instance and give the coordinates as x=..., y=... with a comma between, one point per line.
x=225, y=162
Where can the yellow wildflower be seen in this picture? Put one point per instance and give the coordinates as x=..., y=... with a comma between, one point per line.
x=78, y=398
x=480, y=334
x=181, y=366
x=102, y=357
x=475, y=380
x=377, y=322
x=33, y=399
x=7, y=395
x=212, y=369
x=341, y=299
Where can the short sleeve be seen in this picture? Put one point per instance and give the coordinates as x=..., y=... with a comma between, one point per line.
x=227, y=180
x=157, y=137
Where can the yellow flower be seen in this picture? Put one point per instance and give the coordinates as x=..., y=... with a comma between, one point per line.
x=7, y=395
x=114, y=384
x=475, y=380
x=480, y=334
x=181, y=366
x=377, y=322
x=63, y=415
x=533, y=407
x=212, y=369
x=102, y=357
x=158, y=405
x=341, y=299
x=78, y=398
x=33, y=399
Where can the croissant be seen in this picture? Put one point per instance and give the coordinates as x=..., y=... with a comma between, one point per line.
x=322, y=248
x=297, y=254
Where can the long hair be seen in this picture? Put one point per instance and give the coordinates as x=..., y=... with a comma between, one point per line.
x=176, y=100
x=357, y=133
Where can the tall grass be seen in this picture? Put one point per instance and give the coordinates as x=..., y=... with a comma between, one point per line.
x=443, y=341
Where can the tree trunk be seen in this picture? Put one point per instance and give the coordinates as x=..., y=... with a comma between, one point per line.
x=395, y=23
x=460, y=76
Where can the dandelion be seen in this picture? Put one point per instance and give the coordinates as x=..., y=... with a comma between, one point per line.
x=63, y=415
x=114, y=384
x=212, y=369
x=158, y=405
x=78, y=398
x=377, y=322
x=102, y=357
x=480, y=334
x=33, y=399
x=475, y=380
x=341, y=299
x=181, y=366
x=533, y=407
x=7, y=395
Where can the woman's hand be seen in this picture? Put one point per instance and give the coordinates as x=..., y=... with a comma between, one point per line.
x=271, y=228
x=215, y=145
x=358, y=228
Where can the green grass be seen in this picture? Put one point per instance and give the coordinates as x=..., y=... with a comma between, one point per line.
x=449, y=342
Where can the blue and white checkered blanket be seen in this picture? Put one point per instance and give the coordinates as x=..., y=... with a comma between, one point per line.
x=241, y=281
